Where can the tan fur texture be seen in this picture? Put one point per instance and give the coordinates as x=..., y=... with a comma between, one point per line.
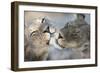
x=36, y=43
x=76, y=35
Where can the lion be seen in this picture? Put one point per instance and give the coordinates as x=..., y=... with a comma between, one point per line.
x=36, y=45
x=76, y=35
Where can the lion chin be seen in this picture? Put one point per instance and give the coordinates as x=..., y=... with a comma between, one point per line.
x=68, y=44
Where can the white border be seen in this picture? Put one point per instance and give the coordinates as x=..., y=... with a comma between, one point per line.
x=23, y=64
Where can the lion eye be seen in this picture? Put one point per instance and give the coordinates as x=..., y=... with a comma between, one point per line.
x=77, y=31
x=34, y=32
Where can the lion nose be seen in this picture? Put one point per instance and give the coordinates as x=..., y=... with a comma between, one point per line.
x=47, y=30
x=60, y=36
x=47, y=42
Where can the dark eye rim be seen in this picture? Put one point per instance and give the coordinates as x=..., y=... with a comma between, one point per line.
x=32, y=33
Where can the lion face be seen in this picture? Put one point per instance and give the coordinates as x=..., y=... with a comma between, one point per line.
x=74, y=36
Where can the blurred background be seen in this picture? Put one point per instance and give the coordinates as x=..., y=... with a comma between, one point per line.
x=57, y=20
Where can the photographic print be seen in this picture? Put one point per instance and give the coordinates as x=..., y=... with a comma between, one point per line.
x=49, y=36
x=56, y=36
